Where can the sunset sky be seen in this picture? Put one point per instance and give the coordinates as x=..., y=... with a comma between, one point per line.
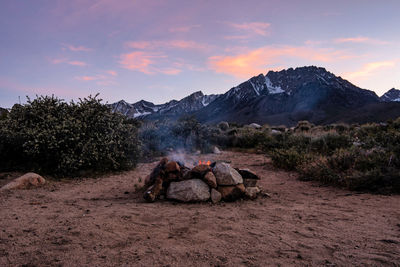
x=163, y=50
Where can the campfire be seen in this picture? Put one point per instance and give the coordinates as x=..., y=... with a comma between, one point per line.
x=206, y=181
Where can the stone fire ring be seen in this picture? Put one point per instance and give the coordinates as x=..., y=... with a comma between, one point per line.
x=215, y=181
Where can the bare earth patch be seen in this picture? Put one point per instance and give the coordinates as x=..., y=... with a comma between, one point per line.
x=104, y=222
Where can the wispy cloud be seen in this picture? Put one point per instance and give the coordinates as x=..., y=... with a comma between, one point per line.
x=258, y=60
x=105, y=79
x=175, y=44
x=76, y=48
x=185, y=29
x=67, y=61
x=369, y=69
x=360, y=39
x=256, y=28
x=140, y=61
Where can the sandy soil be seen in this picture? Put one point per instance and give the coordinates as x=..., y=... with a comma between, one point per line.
x=103, y=222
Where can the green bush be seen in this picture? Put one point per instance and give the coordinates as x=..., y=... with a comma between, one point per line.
x=288, y=159
x=50, y=136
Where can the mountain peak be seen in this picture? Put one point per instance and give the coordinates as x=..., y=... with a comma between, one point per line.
x=393, y=95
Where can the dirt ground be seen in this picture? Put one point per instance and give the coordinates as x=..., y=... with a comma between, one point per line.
x=103, y=222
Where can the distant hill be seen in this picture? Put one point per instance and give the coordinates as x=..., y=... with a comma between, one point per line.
x=282, y=97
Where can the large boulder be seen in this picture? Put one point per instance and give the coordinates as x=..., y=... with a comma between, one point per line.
x=25, y=181
x=193, y=190
x=232, y=192
x=226, y=175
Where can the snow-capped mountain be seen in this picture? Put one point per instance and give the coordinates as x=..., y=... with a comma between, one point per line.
x=393, y=95
x=279, y=97
x=145, y=109
x=287, y=96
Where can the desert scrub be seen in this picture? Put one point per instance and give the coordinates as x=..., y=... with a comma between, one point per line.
x=289, y=159
x=50, y=136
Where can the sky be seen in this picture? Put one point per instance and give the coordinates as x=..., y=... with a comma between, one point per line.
x=160, y=50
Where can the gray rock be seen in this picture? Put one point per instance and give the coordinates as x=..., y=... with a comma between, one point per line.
x=189, y=191
x=275, y=132
x=25, y=181
x=215, y=196
x=255, y=126
x=223, y=125
x=226, y=175
x=216, y=150
x=252, y=192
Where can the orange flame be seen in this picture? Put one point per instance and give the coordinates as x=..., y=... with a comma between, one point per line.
x=204, y=162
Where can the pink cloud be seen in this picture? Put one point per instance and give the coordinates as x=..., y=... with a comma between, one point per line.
x=139, y=61
x=360, y=39
x=112, y=72
x=77, y=63
x=67, y=61
x=76, y=48
x=369, y=68
x=150, y=63
x=256, y=61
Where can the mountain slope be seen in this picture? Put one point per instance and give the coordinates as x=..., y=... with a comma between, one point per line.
x=173, y=108
x=287, y=96
x=393, y=95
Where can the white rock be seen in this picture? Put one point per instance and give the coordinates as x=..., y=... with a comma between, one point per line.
x=25, y=181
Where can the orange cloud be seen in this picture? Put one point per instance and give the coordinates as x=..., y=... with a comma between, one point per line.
x=369, y=69
x=257, y=61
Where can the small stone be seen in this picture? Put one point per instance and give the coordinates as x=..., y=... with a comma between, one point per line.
x=215, y=196
x=252, y=192
x=210, y=179
x=226, y=175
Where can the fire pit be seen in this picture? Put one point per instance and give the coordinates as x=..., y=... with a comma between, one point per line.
x=213, y=181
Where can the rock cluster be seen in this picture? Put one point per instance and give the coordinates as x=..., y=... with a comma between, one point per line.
x=217, y=181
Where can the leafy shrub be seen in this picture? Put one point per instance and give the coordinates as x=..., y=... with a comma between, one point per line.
x=50, y=136
x=288, y=159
